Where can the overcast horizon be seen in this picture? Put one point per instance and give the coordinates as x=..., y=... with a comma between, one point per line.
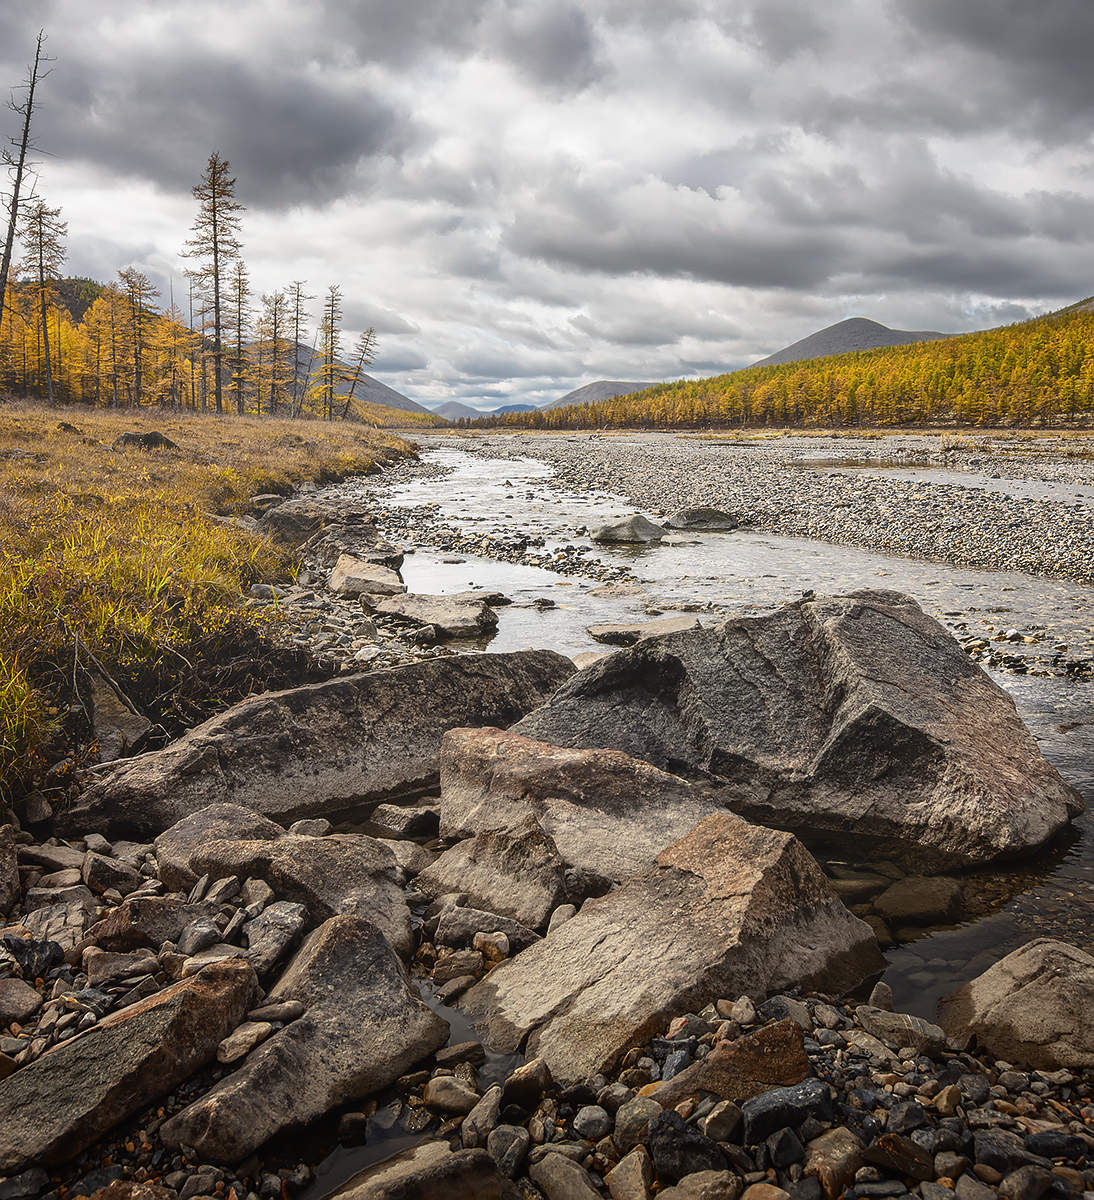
x=525, y=197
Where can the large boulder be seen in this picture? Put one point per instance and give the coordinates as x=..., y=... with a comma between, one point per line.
x=728, y=909
x=431, y=1171
x=855, y=721
x=327, y=749
x=702, y=520
x=607, y=814
x=363, y=1026
x=356, y=577
x=636, y=530
x=343, y=874
x=353, y=534
x=60, y=1103
x=175, y=847
x=456, y=615
x=1034, y=1007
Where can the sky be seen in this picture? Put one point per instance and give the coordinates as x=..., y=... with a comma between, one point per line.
x=522, y=196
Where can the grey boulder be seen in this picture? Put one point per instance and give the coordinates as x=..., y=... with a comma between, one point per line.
x=362, y=1028
x=729, y=908
x=702, y=520
x=636, y=530
x=457, y=615
x=849, y=720
x=1034, y=1007
x=431, y=1171
x=353, y=577
x=326, y=749
x=175, y=847
x=58, y=1104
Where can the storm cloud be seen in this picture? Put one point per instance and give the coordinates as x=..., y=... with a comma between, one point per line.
x=524, y=195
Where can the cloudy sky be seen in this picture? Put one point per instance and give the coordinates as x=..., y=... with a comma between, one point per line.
x=525, y=195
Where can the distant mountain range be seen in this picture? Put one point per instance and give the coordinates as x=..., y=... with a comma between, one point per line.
x=602, y=389
x=454, y=410
x=856, y=333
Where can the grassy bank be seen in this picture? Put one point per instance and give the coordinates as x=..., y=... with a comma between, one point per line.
x=116, y=559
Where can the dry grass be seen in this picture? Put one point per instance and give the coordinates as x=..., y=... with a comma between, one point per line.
x=116, y=557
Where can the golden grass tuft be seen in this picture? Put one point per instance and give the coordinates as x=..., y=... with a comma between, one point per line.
x=117, y=557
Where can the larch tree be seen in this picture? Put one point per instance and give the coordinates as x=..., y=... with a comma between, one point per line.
x=139, y=293
x=277, y=356
x=42, y=233
x=297, y=299
x=239, y=305
x=364, y=355
x=215, y=244
x=16, y=161
x=330, y=348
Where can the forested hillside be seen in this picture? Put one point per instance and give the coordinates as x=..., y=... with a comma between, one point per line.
x=1036, y=372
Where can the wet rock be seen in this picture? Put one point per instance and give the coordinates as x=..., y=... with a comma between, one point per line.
x=524, y=1087
x=899, y=1154
x=508, y=1147
x=429, y=1172
x=1035, y=1007
x=353, y=577
x=833, y=1158
x=517, y=872
x=455, y=615
x=447, y=1094
x=728, y=906
x=364, y=1027
x=901, y=1029
x=770, y=1057
x=782, y=753
x=329, y=876
x=920, y=899
x=702, y=520
x=9, y=870
x=785, y=1107
x=175, y=847
x=607, y=814
x=478, y=1123
x=18, y=1001
x=638, y=530
x=628, y=634
x=326, y=749
x=58, y=1104
x=678, y=1150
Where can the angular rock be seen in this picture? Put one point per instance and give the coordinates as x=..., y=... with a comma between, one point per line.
x=327, y=749
x=837, y=717
x=104, y=967
x=833, y=1158
x=727, y=907
x=9, y=870
x=702, y=520
x=242, y=1040
x=431, y=1171
x=901, y=1029
x=295, y=520
x=64, y=923
x=339, y=874
x=364, y=1027
x=405, y=821
x=456, y=615
x=457, y=926
x=1035, y=1007
x=175, y=847
x=475, y=1130
x=273, y=933
x=785, y=1107
x=447, y=1094
x=117, y=727
x=143, y=921
x=101, y=874
x=637, y=530
x=607, y=814
x=349, y=532
x=706, y=1185
x=517, y=872
x=508, y=1146
x=632, y=1177
x=679, y=1150
x=18, y=1001
x=58, y=1104
x=737, y=1070
x=354, y=577
x=559, y=1178
x=52, y=858
x=628, y=634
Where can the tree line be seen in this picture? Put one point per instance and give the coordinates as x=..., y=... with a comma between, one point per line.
x=228, y=350
x=1038, y=372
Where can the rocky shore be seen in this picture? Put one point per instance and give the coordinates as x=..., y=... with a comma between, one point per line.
x=655, y=891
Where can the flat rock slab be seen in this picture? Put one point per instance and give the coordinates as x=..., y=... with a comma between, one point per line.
x=327, y=749
x=1034, y=1007
x=354, y=577
x=849, y=720
x=58, y=1104
x=363, y=1027
x=457, y=615
x=607, y=813
x=729, y=908
x=702, y=520
x=627, y=635
x=429, y=1172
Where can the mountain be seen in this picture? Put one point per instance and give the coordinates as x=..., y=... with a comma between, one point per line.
x=511, y=408
x=453, y=410
x=856, y=333
x=369, y=390
x=602, y=389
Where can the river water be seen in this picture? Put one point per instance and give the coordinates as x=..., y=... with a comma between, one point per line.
x=751, y=571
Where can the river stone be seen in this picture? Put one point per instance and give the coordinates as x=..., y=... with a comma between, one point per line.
x=456, y=615
x=920, y=899
x=901, y=1029
x=702, y=520
x=431, y=1171
x=364, y=1027
x=833, y=1158
x=729, y=906
x=343, y=873
x=773, y=1056
x=18, y=1001
x=176, y=846
x=517, y=872
x=351, y=533
x=638, y=530
x=272, y=933
x=58, y=1104
x=851, y=720
x=9, y=870
x=628, y=634
x=1035, y=1007
x=353, y=577
x=607, y=814
x=327, y=749
x=144, y=921
x=458, y=925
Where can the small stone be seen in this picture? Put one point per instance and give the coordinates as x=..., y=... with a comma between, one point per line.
x=970, y=1188
x=311, y=827
x=1026, y=1183
x=592, y=1123
x=833, y=1158
x=881, y=996
x=632, y=1122
x=481, y=1120
x=18, y=1001
x=948, y=1099
x=722, y=1122
x=102, y=874
x=559, y=1178
x=492, y=945
x=743, y=1011
x=197, y=936
x=632, y=1177
x=462, y=1052
x=242, y=1040
x=705, y=1185
x=561, y=915
x=508, y=1146
x=223, y=890
x=678, y=1149
x=785, y=1106
x=456, y=965
x=764, y=1191
x=526, y=1085
x=447, y=1094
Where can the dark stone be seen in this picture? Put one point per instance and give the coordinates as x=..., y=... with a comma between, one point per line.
x=784, y=1148
x=906, y=1117
x=1027, y=1183
x=807, y=1188
x=153, y=440
x=1003, y=1150
x=24, y=1186
x=892, y=1152
x=678, y=1149
x=1056, y=1143
x=785, y=1107
x=882, y=1188
x=34, y=958
x=975, y=1088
